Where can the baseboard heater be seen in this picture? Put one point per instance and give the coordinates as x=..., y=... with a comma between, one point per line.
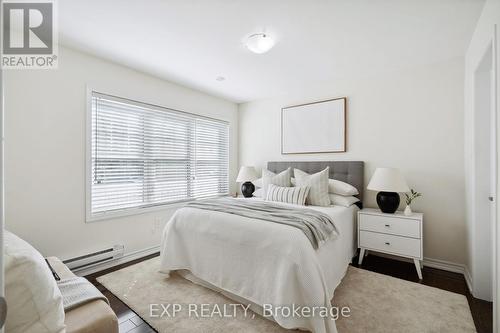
x=92, y=259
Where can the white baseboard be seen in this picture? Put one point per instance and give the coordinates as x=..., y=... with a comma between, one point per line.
x=436, y=263
x=450, y=267
x=126, y=258
x=445, y=265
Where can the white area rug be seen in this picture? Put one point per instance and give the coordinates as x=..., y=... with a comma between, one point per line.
x=378, y=303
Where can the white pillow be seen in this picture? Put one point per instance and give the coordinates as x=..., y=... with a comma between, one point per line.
x=281, y=179
x=292, y=195
x=318, y=194
x=34, y=301
x=337, y=187
x=258, y=193
x=341, y=188
x=342, y=200
x=258, y=182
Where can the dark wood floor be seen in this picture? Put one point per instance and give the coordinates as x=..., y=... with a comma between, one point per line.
x=482, y=311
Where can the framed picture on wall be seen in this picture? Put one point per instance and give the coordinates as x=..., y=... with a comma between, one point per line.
x=318, y=127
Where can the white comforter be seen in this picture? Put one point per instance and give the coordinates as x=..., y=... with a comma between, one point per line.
x=261, y=261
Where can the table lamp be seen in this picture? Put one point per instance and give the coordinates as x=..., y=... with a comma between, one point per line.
x=388, y=181
x=246, y=175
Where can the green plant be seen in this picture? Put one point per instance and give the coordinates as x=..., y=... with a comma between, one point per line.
x=412, y=196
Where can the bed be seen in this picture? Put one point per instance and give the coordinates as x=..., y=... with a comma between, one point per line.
x=266, y=265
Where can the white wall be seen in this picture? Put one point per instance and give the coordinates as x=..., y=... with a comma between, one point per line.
x=45, y=152
x=411, y=119
x=481, y=41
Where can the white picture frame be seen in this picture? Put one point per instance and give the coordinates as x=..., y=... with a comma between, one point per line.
x=318, y=127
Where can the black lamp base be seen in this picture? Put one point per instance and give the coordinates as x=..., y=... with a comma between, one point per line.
x=247, y=189
x=388, y=202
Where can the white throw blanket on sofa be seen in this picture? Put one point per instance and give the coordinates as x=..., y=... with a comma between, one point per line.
x=77, y=291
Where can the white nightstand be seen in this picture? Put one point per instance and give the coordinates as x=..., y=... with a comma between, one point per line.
x=395, y=234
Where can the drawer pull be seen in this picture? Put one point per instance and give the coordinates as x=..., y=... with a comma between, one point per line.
x=388, y=225
x=387, y=243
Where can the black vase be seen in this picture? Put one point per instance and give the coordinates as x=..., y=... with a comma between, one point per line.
x=388, y=202
x=247, y=189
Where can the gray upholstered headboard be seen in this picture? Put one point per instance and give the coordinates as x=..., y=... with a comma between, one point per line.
x=351, y=172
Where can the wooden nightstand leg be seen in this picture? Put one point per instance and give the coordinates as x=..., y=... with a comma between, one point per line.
x=361, y=256
x=417, y=266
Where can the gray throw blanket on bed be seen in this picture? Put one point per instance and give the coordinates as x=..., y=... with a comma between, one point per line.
x=317, y=226
x=77, y=291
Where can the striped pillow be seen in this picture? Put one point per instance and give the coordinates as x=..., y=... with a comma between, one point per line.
x=292, y=195
x=318, y=195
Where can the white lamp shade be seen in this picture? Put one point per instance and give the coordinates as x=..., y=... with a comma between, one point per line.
x=247, y=174
x=388, y=180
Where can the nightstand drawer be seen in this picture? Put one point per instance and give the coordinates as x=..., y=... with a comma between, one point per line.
x=390, y=225
x=390, y=243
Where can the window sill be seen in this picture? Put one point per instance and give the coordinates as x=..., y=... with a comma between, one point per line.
x=139, y=211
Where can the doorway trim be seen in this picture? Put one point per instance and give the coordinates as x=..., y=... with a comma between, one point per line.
x=483, y=173
x=496, y=228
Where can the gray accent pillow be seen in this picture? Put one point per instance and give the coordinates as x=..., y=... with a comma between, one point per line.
x=283, y=178
x=318, y=194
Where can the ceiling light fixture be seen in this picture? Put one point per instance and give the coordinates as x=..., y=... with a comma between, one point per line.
x=260, y=43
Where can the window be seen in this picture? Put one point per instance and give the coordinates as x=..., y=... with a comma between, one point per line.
x=144, y=155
